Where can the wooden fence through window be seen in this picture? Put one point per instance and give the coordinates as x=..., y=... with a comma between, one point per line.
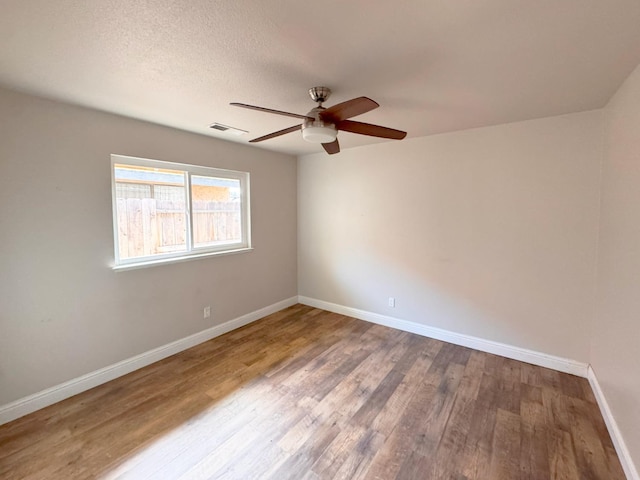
x=147, y=226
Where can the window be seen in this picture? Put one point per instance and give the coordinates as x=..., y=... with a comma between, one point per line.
x=165, y=211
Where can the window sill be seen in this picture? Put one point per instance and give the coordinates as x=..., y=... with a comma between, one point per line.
x=185, y=258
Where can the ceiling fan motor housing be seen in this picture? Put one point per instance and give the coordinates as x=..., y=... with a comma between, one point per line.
x=317, y=130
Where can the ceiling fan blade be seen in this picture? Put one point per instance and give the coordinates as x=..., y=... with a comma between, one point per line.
x=269, y=110
x=276, y=134
x=371, y=130
x=348, y=109
x=333, y=147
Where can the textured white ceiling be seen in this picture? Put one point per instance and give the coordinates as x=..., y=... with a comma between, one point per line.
x=433, y=66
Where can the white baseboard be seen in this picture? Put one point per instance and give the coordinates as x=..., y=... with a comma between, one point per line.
x=616, y=436
x=65, y=390
x=529, y=356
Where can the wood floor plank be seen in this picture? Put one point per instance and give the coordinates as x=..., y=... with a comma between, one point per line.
x=304, y=457
x=389, y=460
x=454, y=435
x=368, y=412
x=534, y=436
x=276, y=415
x=562, y=461
x=510, y=386
x=308, y=394
x=477, y=453
x=556, y=408
x=591, y=457
x=359, y=460
x=436, y=417
x=505, y=452
x=390, y=415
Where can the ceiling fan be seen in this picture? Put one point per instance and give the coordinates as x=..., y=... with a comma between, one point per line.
x=321, y=125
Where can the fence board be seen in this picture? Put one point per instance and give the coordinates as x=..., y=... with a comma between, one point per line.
x=134, y=215
x=123, y=227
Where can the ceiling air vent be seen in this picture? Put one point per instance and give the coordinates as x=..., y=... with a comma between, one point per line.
x=227, y=129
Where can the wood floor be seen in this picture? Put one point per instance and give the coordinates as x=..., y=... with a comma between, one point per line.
x=305, y=394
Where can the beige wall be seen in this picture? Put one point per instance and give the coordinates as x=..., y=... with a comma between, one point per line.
x=489, y=232
x=63, y=311
x=616, y=337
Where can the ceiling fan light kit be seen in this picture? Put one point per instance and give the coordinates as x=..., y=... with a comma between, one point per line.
x=321, y=124
x=319, y=133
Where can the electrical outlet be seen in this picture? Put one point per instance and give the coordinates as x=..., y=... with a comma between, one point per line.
x=392, y=302
x=207, y=311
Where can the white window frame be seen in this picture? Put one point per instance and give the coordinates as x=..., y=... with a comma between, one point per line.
x=192, y=252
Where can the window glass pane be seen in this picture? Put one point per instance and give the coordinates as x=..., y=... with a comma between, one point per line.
x=217, y=214
x=151, y=211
